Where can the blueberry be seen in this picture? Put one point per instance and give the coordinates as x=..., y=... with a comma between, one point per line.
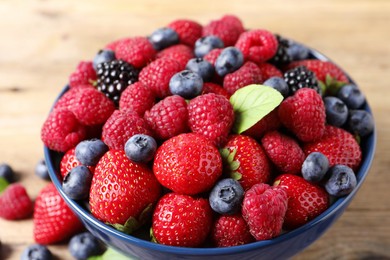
x=226, y=196
x=186, y=84
x=88, y=152
x=103, y=56
x=341, y=182
x=205, y=44
x=41, y=170
x=279, y=84
x=204, y=68
x=77, y=182
x=360, y=122
x=336, y=111
x=229, y=61
x=140, y=148
x=36, y=252
x=163, y=38
x=7, y=172
x=297, y=51
x=352, y=96
x=315, y=166
x=84, y=245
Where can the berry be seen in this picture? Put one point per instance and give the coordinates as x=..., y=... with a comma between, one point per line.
x=336, y=111
x=69, y=161
x=257, y=45
x=226, y=196
x=187, y=164
x=41, y=170
x=297, y=51
x=304, y=114
x=213, y=55
x=7, y=172
x=207, y=43
x=53, y=220
x=88, y=152
x=210, y=87
x=268, y=123
x=268, y=70
x=15, y=203
x=137, y=97
x=102, y=56
x=300, y=77
x=36, y=252
x=281, y=56
x=212, y=116
x=187, y=84
x=264, y=208
x=188, y=31
x=140, y=148
x=83, y=75
x=342, y=181
x=180, y=53
x=360, y=122
x=306, y=200
x=284, y=152
x=228, y=29
x=352, y=96
x=248, y=74
x=180, y=220
x=84, y=245
x=77, y=182
x=315, y=167
x=137, y=51
x=168, y=118
x=202, y=67
x=231, y=230
x=279, y=84
x=114, y=77
x=163, y=38
x=230, y=59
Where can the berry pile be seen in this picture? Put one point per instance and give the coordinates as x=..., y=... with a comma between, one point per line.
x=208, y=134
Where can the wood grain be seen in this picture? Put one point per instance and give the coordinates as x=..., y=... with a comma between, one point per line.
x=43, y=40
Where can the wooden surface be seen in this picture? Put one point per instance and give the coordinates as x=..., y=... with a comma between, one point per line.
x=42, y=41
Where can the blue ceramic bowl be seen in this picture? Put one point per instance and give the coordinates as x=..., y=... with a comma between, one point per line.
x=281, y=247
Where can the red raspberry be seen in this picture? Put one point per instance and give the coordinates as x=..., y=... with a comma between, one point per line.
x=137, y=97
x=158, y=74
x=211, y=115
x=264, y=208
x=137, y=51
x=268, y=123
x=212, y=55
x=188, y=31
x=268, y=70
x=248, y=74
x=112, y=45
x=122, y=125
x=231, y=230
x=69, y=161
x=304, y=114
x=180, y=53
x=66, y=101
x=228, y=29
x=62, y=131
x=15, y=202
x=169, y=117
x=210, y=87
x=284, y=152
x=257, y=45
x=83, y=75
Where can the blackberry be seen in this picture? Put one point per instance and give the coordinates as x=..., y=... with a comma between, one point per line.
x=301, y=77
x=114, y=77
x=282, y=56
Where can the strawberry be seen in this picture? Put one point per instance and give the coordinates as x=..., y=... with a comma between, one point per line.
x=122, y=191
x=69, y=161
x=53, y=220
x=228, y=29
x=179, y=52
x=15, y=202
x=189, y=31
x=268, y=123
x=181, y=220
x=187, y=164
x=83, y=75
x=245, y=161
x=339, y=146
x=137, y=51
x=137, y=97
x=249, y=73
x=306, y=200
x=264, y=208
x=304, y=114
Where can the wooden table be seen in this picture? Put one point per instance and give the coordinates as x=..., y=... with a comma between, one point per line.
x=42, y=41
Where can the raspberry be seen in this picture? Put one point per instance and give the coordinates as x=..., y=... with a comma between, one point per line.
x=137, y=51
x=180, y=53
x=268, y=70
x=231, y=230
x=212, y=55
x=169, y=117
x=257, y=45
x=268, y=123
x=158, y=74
x=248, y=74
x=83, y=75
x=15, y=203
x=228, y=29
x=112, y=45
x=66, y=101
x=210, y=87
x=137, y=97
x=188, y=31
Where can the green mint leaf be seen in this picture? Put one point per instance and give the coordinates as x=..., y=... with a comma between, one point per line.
x=252, y=103
x=3, y=184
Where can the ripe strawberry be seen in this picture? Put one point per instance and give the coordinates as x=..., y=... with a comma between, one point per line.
x=306, y=200
x=179, y=52
x=189, y=31
x=268, y=70
x=137, y=51
x=304, y=114
x=228, y=29
x=168, y=118
x=15, y=202
x=187, y=164
x=246, y=161
x=268, y=123
x=284, y=152
x=248, y=74
x=83, y=75
x=69, y=161
x=264, y=208
x=212, y=116
x=53, y=220
x=231, y=230
x=137, y=97
x=122, y=191
x=339, y=146
x=181, y=220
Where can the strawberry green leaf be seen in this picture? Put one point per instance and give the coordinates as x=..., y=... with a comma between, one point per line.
x=3, y=184
x=130, y=225
x=331, y=85
x=236, y=176
x=252, y=103
x=152, y=237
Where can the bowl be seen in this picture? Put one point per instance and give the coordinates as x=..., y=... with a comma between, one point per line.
x=284, y=246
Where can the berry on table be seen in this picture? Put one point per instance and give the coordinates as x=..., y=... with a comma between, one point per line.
x=7, y=172
x=279, y=84
x=41, y=170
x=341, y=182
x=140, y=148
x=77, y=183
x=163, y=38
x=207, y=43
x=36, y=252
x=301, y=77
x=360, y=122
x=84, y=245
x=230, y=59
x=15, y=202
x=187, y=84
x=336, y=111
x=104, y=55
x=352, y=96
x=202, y=67
x=226, y=196
x=89, y=152
x=315, y=167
